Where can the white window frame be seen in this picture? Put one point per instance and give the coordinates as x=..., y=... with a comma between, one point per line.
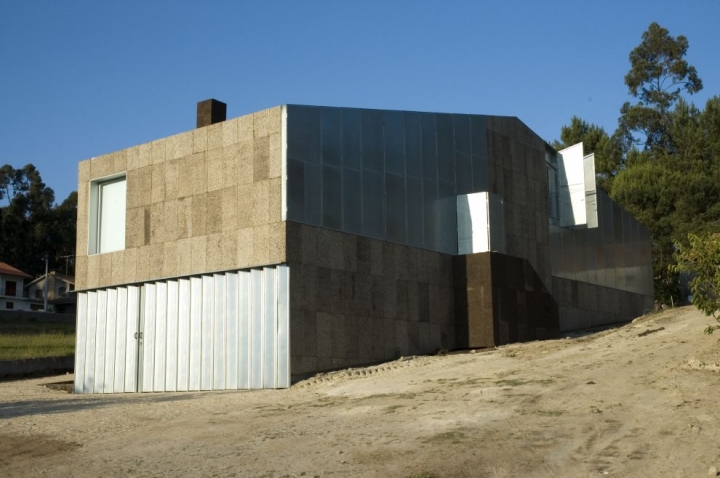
x=95, y=244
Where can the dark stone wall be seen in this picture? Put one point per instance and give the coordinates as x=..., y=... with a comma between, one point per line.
x=500, y=299
x=582, y=305
x=356, y=300
x=517, y=173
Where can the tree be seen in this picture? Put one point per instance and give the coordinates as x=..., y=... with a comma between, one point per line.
x=31, y=226
x=701, y=259
x=657, y=77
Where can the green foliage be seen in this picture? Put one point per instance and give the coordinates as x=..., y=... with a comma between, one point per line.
x=657, y=77
x=701, y=259
x=662, y=163
x=31, y=225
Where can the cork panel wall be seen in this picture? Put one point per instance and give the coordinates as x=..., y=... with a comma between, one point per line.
x=517, y=173
x=584, y=305
x=501, y=300
x=356, y=300
x=201, y=201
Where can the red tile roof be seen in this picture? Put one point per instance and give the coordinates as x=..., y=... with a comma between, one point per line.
x=7, y=269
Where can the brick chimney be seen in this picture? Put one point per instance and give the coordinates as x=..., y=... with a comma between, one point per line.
x=210, y=112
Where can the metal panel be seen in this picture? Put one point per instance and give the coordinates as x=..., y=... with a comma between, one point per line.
x=110, y=329
x=232, y=337
x=372, y=141
x=303, y=133
x=131, y=342
x=99, y=371
x=413, y=145
x=352, y=137
x=295, y=196
x=147, y=320
x=225, y=331
x=429, y=146
x=394, y=129
x=414, y=212
x=219, y=332
x=206, y=332
x=171, y=345
x=445, y=148
x=244, y=311
x=183, y=334
x=256, y=338
x=331, y=198
x=395, y=197
x=351, y=202
x=269, y=332
x=160, y=363
x=373, y=205
x=195, y=333
x=90, y=343
x=283, y=327
x=331, y=134
x=312, y=195
x=121, y=331
x=81, y=350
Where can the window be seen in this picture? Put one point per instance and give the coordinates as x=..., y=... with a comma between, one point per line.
x=107, y=215
x=9, y=305
x=10, y=288
x=38, y=293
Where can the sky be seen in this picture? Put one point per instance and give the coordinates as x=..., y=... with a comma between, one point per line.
x=83, y=78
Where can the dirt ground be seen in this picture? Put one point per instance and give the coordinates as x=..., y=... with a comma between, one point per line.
x=639, y=400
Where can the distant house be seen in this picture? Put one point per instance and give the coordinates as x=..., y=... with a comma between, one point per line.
x=61, y=293
x=12, y=282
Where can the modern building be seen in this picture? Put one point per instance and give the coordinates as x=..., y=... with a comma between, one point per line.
x=299, y=239
x=12, y=282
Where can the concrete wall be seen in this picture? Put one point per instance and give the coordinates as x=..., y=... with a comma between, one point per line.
x=200, y=201
x=356, y=300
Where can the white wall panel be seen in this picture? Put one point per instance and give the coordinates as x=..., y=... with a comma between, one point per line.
x=106, y=348
x=231, y=331
x=214, y=332
x=120, y=340
x=195, y=332
x=219, y=332
x=110, y=330
x=171, y=346
x=147, y=343
x=159, y=363
x=183, y=343
x=206, y=330
x=131, y=342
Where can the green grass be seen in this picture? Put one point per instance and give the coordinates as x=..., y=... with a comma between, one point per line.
x=33, y=338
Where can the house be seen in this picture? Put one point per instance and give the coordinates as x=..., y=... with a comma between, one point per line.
x=12, y=282
x=300, y=238
x=60, y=293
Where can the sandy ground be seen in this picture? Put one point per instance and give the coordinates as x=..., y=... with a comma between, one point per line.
x=640, y=400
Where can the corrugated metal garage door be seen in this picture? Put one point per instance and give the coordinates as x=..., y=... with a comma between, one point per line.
x=211, y=332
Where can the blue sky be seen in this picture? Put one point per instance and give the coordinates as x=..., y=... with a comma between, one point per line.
x=84, y=78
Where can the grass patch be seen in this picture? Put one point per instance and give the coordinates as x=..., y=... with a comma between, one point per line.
x=550, y=413
x=34, y=338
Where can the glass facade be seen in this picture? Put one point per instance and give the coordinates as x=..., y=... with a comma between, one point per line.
x=389, y=175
